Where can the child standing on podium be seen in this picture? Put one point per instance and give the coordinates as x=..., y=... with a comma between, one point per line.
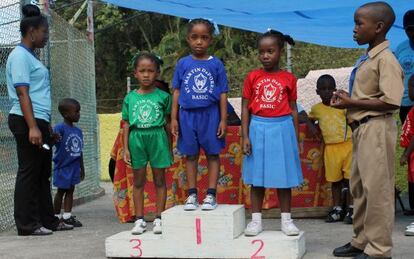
x=145, y=112
x=199, y=110
x=270, y=133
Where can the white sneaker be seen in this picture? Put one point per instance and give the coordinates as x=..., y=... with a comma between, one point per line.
x=191, y=203
x=140, y=227
x=209, y=202
x=409, y=230
x=253, y=228
x=289, y=228
x=157, y=229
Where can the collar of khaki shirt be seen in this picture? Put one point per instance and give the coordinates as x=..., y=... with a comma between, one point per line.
x=377, y=49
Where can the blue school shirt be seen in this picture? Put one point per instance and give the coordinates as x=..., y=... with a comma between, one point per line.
x=201, y=82
x=69, y=149
x=405, y=56
x=23, y=68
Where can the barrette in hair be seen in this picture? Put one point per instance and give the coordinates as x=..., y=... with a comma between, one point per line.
x=215, y=25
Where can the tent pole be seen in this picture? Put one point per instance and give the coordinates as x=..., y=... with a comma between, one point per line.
x=289, y=57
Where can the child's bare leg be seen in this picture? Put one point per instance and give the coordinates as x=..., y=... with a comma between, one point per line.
x=138, y=193
x=337, y=193
x=285, y=198
x=191, y=164
x=349, y=198
x=161, y=189
x=256, y=198
x=57, y=203
x=68, y=201
x=213, y=170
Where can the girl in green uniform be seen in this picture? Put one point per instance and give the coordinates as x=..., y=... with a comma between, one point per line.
x=146, y=111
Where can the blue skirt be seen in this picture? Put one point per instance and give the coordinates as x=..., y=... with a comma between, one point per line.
x=274, y=160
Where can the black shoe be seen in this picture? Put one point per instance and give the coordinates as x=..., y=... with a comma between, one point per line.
x=348, y=216
x=73, y=221
x=365, y=256
x=335, y=216
x=347, y=251
x=63, y=226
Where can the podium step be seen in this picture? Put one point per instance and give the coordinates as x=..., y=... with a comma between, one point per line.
x=225, y=222
x=267, y=245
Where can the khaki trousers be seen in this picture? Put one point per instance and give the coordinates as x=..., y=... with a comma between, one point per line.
x=372, y=185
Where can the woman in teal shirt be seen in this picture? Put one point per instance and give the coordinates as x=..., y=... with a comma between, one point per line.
x=28, y=87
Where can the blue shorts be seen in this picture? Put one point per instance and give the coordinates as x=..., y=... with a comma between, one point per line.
x=66, y=177
x=198, y=128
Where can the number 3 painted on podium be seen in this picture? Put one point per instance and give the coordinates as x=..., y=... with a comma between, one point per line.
x=255, y=255
x=137, y=247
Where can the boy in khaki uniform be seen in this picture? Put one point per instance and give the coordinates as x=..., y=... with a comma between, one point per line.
x=376, y=87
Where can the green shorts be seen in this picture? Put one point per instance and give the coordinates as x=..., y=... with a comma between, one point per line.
x=149, y=145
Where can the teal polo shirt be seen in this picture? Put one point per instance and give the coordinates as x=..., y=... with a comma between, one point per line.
x=24, y=69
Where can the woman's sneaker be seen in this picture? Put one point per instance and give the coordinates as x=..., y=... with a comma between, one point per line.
x=335, y=215
x=409, y=230
x=289, y=228
x=157, y=229
x=140, y=227
x=191, y=203
x=73, y=221
x=209, y=202
x=253, y=228
x=42, y=231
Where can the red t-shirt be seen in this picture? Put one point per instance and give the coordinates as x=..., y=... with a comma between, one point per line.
x=269, y=93
x=408, y=129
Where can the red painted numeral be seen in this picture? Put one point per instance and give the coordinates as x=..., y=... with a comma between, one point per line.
x=136, y=248
x=256, y=254
x=198, y=230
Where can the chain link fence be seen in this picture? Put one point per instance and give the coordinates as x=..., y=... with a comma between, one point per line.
x=70, y=58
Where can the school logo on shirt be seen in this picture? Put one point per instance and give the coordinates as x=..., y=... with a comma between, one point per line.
x=199, y=82
x=407, y=63
x=270, y=91
x=147, y=112
x=73, y=145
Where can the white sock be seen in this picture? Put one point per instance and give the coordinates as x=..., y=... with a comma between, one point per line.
x=285, y=216
x=351, y=206
x=67, y=215
x=337, y=208
x=257, y=216
x=58, y=216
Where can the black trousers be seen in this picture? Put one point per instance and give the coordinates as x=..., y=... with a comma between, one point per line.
x=33, y=207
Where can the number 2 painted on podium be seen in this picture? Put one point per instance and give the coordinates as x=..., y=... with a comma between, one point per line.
x=255, y=255
x=137, y=247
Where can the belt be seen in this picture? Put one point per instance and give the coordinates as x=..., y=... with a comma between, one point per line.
x=355, y=124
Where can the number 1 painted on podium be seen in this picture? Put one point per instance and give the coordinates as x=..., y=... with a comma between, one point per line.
x=198, y=230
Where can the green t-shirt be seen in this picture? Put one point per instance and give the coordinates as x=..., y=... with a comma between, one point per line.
x=149, y=110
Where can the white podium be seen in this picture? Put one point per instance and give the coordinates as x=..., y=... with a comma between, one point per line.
x=205, y=234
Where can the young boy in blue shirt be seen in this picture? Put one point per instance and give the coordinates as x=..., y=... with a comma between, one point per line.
x=68, y=160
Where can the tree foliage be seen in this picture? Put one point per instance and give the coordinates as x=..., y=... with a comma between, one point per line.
x=120, y=33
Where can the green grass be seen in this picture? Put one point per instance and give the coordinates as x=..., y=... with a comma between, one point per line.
x=109, y=127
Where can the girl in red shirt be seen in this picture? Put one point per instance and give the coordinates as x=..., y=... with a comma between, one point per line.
x=270, y=133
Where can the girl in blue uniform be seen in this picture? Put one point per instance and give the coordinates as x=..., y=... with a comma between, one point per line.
x=199, y=110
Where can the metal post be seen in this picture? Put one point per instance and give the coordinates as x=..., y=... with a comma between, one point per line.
x=128, y=84
x=289, y=57
x=89, y=21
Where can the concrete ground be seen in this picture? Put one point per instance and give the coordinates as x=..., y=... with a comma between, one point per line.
x=100, y=222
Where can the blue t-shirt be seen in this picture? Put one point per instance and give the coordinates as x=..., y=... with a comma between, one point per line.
x=24, y=69
x=405, y=56
x=69, y=149
x=201, y=82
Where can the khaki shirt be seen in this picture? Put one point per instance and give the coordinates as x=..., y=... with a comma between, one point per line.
x=379, y=77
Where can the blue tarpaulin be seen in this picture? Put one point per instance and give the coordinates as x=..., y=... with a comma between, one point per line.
x=323, y=22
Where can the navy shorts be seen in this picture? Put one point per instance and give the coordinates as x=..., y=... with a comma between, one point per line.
x=198, y=128
x=66, y=178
